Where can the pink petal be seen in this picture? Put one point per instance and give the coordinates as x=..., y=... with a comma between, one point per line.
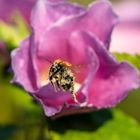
x=100, y=22
x=113, y=79
x=45, y=13
x=24, y=73
x=52, y=101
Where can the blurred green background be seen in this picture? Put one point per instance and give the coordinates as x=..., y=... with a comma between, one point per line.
x=21, y=118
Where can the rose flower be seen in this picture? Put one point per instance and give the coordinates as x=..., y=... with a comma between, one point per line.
x=65, y=63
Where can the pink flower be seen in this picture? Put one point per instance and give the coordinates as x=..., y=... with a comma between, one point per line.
x=79, y=36
x=126, y=36
x=8, y=7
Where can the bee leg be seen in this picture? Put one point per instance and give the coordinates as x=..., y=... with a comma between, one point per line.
x=74, y=95
x=74, y=98
x=58, y=85
x=54, y=85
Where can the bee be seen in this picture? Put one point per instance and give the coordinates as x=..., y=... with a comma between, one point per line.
x=62, y=78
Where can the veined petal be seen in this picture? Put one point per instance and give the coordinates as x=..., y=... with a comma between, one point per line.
x=88, y=21
x=100, y=22
x=113, y=79
x=47, y=12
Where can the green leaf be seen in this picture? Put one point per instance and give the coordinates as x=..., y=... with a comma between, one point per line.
x=131, y=103
x=100, y=125
x=7, y=131
x=16, y=105
x=133, y=59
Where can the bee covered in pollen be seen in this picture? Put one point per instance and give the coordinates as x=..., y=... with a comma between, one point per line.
x=62, y=78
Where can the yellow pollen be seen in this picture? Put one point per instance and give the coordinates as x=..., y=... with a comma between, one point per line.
x=65, y=63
